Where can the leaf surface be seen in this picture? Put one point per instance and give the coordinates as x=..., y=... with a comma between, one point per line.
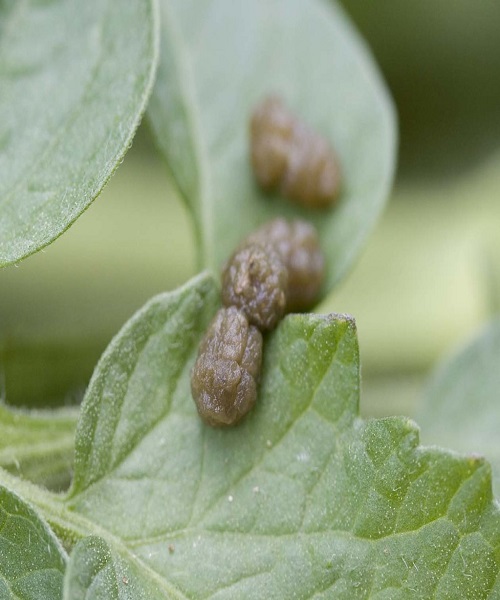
x=94, y=571
x=219, y=58
x=304, y=498
x=75, y=78
x=460, y=408
x=32, y=561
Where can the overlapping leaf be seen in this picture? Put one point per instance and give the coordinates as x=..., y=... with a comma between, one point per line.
x=32, y=561
x=218, y=58
x=74, y=80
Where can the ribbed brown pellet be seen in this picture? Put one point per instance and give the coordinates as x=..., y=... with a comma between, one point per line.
x=225, y=375
x=289, y=156
x=297, y=243
x=255, y=280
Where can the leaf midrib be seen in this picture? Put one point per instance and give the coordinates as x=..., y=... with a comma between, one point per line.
x=188, y=93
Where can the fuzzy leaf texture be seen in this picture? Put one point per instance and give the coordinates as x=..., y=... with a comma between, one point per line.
x=96, y=572
x=32, y=561
x=218, y=59
x=74, y=80
x=303, y=499
x=460, y=408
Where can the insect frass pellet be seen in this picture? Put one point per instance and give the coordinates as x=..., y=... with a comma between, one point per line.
x=279, y=267
x=287, y=155
x=225, y=375
x=297, y=243
x=255, y=280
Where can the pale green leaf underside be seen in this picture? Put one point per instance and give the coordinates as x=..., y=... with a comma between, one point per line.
x=32, y=562
x=304, y=499
x=74, y=80
x=461, y=408
x=218, y=58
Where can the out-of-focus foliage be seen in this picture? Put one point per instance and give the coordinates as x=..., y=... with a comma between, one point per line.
x=433, y=265
x=441, y=59
x=461, y=404
x=135, y=242
x=38, y=445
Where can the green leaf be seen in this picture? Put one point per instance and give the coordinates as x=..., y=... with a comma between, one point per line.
x=38, y=445
x=142, y=369
x=94, y=571
x=32, y=561
x=75, y=78
x=218, y=58
x=303, y=499
x=460, y=406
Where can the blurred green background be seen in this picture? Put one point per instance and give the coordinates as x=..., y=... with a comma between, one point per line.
x=429, y=276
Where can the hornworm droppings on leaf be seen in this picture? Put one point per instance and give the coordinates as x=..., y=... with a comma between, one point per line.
x=298, y=245
x=255, y=280
x=225, y=375
x=288, y=155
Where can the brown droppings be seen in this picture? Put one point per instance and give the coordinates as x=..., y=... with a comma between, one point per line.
x=255, y=280
x=287, y=155
x=297, y=243
x=225, y=375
